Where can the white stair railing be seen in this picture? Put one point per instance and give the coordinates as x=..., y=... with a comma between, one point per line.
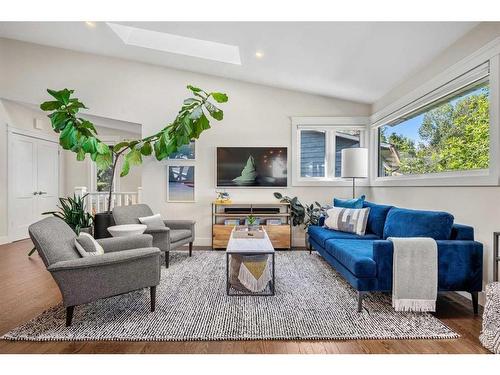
x=97, y=201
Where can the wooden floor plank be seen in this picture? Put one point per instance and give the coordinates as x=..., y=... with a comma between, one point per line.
x=28, y=289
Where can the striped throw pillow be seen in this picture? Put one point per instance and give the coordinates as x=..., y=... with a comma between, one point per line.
x=351, y=220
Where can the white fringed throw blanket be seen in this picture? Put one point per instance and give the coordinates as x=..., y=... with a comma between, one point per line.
x=415, y=274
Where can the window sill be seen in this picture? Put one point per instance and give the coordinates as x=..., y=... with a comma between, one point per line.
x=330, y=182
x=482, y=177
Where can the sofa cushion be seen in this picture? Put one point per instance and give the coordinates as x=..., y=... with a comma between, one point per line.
x=349, y=203
x=351, y=220
x=355, y=255
x=376, y=219
x=402, y=222
x=321, y=235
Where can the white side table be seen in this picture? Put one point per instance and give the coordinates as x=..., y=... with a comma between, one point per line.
x=127, y=230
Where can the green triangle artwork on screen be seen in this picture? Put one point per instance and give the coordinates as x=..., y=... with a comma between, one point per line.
x=248, y=174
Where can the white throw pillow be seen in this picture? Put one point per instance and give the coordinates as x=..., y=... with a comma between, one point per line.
x=351, y=220
x=153, y=222
x=87, y=246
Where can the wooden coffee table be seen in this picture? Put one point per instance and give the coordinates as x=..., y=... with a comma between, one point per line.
x=239, y=249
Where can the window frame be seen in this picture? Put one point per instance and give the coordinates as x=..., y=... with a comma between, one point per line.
x=430, y=91
x=330, y=125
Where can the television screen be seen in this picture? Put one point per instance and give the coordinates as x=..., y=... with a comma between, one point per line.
x=252, y=166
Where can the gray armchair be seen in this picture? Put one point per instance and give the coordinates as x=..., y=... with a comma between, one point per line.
x=127, y=264
x=175, y=234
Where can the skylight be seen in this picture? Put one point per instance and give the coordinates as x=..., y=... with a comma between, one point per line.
x=180, y=45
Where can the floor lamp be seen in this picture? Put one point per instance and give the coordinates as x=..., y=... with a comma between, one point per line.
x=354, y=165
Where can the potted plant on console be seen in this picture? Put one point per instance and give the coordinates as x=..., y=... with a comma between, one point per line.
x=80, y=136
x=251, y=222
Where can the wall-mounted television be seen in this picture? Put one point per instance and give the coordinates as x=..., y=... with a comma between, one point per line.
x=252, y=166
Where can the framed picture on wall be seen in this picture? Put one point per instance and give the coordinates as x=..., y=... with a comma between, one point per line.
x=180, y=183
x=186, y=152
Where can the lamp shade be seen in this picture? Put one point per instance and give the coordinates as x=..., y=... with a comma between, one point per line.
x=354, y=162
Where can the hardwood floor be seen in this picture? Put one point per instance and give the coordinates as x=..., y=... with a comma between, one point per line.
x=27, y=289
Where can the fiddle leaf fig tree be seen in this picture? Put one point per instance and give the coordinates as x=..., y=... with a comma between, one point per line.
x=80, y=136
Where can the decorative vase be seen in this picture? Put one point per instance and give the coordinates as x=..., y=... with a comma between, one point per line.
x=252, y=227
x=102, y=221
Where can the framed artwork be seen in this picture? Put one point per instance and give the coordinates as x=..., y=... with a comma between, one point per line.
x=186, y=152
x=180, y=183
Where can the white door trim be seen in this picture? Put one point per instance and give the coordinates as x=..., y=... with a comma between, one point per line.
x=10, y=167
x=33, y=134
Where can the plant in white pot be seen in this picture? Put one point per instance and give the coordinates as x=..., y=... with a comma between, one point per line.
x=80, y=136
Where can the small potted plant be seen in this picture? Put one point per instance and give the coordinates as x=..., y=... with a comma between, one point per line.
x=72, y=211
x=252, y=223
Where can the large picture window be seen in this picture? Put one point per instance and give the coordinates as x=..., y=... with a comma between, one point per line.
x=449, y=134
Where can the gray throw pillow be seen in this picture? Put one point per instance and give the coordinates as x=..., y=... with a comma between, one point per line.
x=153, y=222
x=351, y=220
x=87, y=246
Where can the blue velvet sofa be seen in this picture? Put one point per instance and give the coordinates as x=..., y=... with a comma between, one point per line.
x=366, y=261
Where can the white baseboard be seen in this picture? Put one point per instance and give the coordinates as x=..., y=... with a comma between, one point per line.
x=4, y=240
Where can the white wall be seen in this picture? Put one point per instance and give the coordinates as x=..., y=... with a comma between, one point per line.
x=476, y=206
x=150, y=95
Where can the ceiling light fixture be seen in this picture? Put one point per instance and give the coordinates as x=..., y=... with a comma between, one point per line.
x=259, y=54
x=181, y=45
x=90, y=23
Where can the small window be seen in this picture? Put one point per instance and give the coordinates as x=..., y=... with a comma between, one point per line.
x=451, y=134
x=318, y=156
x=312, y=153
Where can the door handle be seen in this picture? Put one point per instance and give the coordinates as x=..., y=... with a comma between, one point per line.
x=42, y=192
x=35, y=193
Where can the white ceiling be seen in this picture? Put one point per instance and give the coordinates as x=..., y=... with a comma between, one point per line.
x=360, y=61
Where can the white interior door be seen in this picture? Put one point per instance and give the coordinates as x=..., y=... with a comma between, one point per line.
x=33, y=181
x=47, y=177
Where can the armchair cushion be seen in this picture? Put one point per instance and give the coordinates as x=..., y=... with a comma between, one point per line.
x=87, y=246
x=152, y=222
x=126, y=243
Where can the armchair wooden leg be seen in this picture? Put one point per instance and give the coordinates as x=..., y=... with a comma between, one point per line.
x=167, y=258
x=190, y=248
x=152, y=292
x=69, y=315
x=475, y=302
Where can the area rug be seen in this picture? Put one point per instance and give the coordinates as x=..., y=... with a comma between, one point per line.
x=312, y=302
